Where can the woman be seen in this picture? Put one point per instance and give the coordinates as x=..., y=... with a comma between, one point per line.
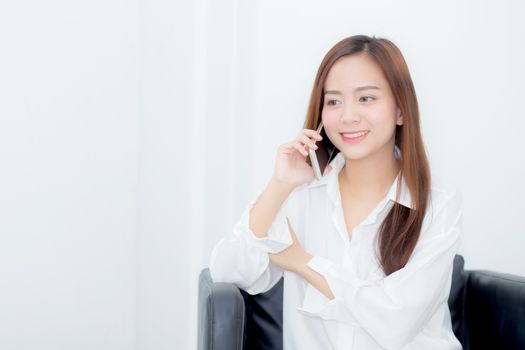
x=366, y=251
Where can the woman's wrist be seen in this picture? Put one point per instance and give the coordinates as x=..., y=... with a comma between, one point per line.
x=280, y=186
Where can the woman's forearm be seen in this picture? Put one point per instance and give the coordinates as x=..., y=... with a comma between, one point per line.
x=267, y=206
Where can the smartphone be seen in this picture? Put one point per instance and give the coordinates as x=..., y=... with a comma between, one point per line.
x=320, y=157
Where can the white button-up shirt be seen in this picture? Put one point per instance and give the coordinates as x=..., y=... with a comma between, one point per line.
x=406, y=310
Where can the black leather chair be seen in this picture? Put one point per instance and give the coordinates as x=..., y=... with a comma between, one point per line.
x=487, y=310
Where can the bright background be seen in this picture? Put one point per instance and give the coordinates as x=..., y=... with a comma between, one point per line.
x=133, y=134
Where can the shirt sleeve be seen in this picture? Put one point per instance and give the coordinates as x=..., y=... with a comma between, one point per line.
x=242, y=258
x=396, y=308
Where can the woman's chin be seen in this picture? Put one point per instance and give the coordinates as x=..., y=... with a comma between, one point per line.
x=355, y=154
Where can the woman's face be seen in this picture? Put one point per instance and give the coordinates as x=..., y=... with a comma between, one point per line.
x=358, y=98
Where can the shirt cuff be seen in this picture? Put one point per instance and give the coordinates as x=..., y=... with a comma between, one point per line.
x=278, y=238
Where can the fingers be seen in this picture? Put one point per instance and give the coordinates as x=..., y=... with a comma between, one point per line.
x=292, y=232
x=294, y=147
x=307, y=139
x=299, y=147
x=313, y=134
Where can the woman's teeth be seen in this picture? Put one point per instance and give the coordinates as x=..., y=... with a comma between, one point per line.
x=358, y=134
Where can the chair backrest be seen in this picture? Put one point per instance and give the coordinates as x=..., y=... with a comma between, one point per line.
x=264, y=319
x=456, y=298
x=494, y=311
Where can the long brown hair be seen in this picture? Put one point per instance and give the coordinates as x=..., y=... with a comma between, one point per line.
x=400, y=230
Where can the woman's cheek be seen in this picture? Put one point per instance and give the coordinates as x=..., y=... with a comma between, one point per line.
x=331, y=124
x=329, y=117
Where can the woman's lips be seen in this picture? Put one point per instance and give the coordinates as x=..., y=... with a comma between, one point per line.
x=354, y=139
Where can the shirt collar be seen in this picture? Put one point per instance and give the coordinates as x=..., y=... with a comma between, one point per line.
x=331, y=180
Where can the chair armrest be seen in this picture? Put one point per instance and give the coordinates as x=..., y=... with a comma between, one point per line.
x=221, y=315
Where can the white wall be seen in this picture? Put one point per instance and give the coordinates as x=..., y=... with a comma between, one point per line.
x=132, y=136
x=166, y=73
x=68, y=174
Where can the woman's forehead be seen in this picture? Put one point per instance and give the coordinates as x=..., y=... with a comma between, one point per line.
x=353, y=73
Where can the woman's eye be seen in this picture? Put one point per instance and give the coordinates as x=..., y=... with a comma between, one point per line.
x=332, y=102
x=370, y=97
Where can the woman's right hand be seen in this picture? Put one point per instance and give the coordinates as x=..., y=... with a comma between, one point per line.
x=290, y=165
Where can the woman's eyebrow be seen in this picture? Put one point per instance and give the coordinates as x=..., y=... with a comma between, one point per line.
x=359, y=88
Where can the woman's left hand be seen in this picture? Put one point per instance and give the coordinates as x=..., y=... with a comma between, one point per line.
x=292, y=258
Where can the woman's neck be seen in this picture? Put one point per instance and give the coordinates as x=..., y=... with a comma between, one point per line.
x=371, y=176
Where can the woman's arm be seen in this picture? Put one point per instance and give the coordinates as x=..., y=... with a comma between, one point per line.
x=242, y=257
x=267, y=205
x=295, y=259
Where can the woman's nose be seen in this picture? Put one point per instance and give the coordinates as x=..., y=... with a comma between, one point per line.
x=350, y=114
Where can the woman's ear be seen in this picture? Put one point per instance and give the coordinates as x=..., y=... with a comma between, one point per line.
x=399, y=117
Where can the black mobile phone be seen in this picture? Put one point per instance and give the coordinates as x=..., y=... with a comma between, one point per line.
x=322, y=156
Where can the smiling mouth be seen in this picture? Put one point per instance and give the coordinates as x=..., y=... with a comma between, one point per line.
x=355, y=135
